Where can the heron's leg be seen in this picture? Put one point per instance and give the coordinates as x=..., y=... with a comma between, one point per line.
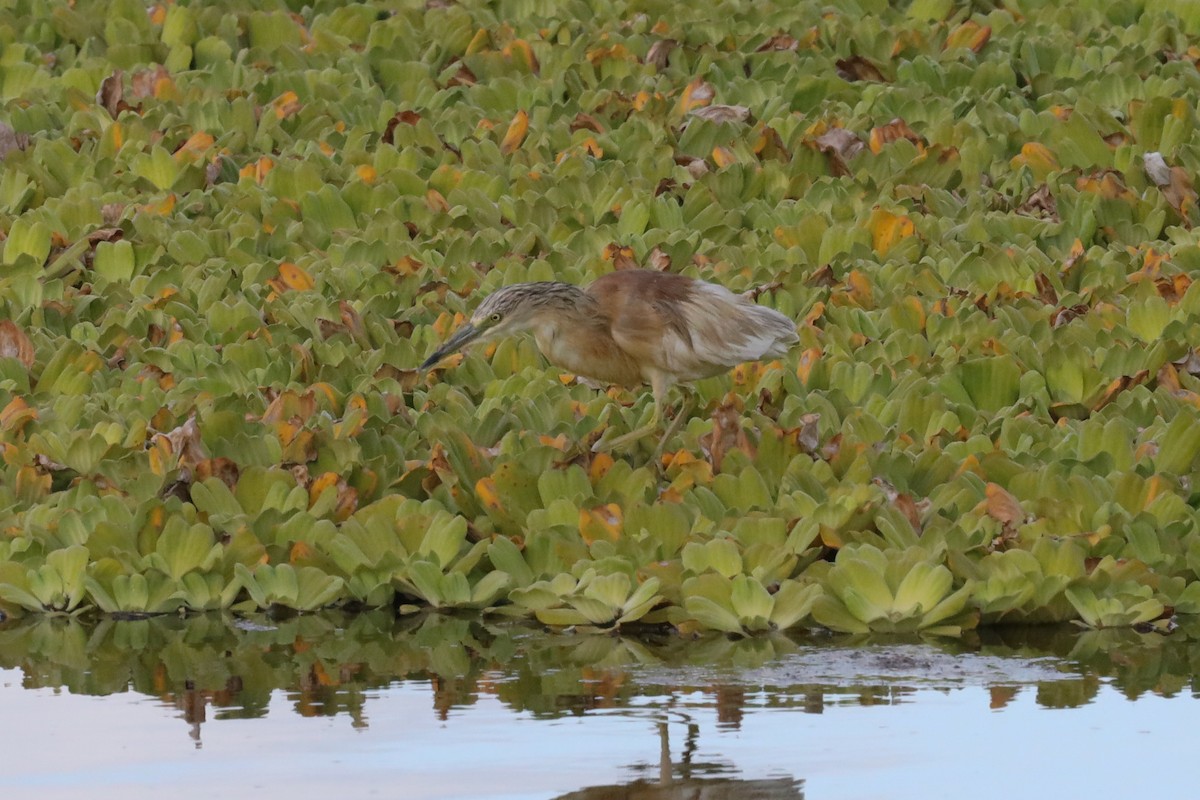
x=660, y=385
x=684, y=412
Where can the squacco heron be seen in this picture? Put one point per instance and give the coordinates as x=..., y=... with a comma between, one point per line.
x=633, y=327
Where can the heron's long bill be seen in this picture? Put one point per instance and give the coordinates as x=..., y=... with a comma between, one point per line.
x=461, y=338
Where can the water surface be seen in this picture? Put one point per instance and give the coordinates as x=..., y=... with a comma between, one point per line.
x=367, y=706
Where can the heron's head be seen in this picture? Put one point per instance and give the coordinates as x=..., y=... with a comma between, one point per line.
x=505, y=311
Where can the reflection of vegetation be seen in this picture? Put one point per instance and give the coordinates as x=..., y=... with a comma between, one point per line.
x=328, y=665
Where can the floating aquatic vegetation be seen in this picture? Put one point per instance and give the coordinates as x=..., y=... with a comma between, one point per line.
x=230, y=236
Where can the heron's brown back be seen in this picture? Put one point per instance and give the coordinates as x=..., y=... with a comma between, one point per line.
x=686, y=328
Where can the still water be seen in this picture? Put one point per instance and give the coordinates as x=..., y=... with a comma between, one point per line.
x=439, y=707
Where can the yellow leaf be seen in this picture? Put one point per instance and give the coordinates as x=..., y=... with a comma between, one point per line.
x=286, y=104
x=406, y=265
x=1107, y=185
x=887, y=229
x=808, y=360
x=859, y=288
x=698, y=93
x=485, y=490
x=162, y=208
x=479, y=42
x=258, y=170
x=301, y=552
x=1037, y=157
x=520, y=51
x=723, y=156
x=162, y=460
x=436, y=202
x=32, y=484
x=602, y=522
x=16, y=415
x=970, y=34
x=601, y=464
x=194, y=147
x=319, y=485
x=1002, y=505
x=814, y=314
x=164, y=88
x=295, y=278
x=516, y=133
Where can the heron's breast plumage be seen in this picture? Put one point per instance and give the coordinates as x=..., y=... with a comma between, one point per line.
x=586, y=349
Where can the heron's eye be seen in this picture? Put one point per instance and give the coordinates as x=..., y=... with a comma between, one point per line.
x=496, y=317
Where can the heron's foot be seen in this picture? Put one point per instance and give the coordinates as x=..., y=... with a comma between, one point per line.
x=606, y=443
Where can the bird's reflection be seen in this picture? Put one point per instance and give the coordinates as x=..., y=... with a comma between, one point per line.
x=688, y=779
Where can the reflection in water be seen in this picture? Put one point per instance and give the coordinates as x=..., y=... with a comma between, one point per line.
x=329, y=665
x=687, y=780
x=692, y=700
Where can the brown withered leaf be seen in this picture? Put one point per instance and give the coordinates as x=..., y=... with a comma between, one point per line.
x=111, y=94
x=1180, y=194
x=621, y=257
x=1063, y=315
x=832, y=448
x=696, y=167
x=584, y=121
x=808, y=434
x=1119, y=385
x=180, y=488
x=353, y=322
x=408, y=379
x=659, y=260
x=659, y=54
x=822, y=276
x=462, y=77
x=224, y=469
x=756, y=292
x=1190, y=363
x=780, y=41
x=839, y=145
x=893, y=131
x=697, y=93
x=769, y=144
x=1045, y=289
x=857, y=68
x=1002, y=505
x=727, y=435
x=143, y=82
x=1173, y=289
x=767, y=405
x=902, y=501
x=398, y=119
x=1040, y=204
x=10, y=140
x=289, y=405
x=111, y=213
x=185, y=442
x=721, y=113
x=14, y=343
x=329, y=328
x=1005, y=508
